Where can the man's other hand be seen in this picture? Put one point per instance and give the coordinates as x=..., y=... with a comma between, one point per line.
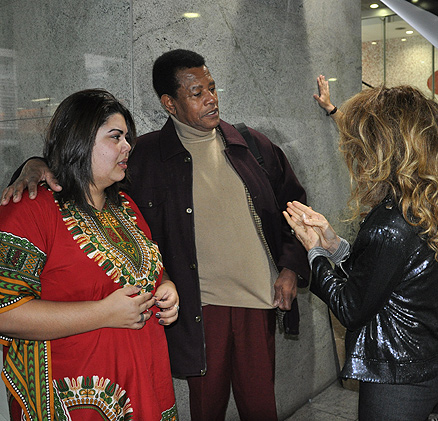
x=34, y=171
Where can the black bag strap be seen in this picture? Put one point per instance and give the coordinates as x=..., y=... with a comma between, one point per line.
x=243, y=130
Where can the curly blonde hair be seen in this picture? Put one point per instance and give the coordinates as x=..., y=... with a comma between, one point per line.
x=389, y=139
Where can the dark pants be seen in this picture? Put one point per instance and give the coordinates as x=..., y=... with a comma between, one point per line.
x=397, y=402
x=240, y=347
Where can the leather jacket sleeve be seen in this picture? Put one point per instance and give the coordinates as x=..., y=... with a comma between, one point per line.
x=357, y=289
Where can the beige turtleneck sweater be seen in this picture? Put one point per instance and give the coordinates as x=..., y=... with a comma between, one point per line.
x=234, y=268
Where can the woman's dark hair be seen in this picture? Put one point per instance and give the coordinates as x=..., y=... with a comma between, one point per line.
x=69, y=142
x=167, y=65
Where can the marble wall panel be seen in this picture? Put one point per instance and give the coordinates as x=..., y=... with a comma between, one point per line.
x=49, y=49
x=265, y=56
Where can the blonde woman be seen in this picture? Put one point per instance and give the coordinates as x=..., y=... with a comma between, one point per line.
x=384, y=287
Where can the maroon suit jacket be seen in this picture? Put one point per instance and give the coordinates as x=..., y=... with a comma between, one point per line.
x=161, y=172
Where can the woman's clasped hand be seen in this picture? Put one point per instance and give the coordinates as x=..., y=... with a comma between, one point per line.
x=310, y=227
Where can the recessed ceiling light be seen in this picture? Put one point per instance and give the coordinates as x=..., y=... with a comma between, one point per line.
x=374, y=42
x=191, y=15
x=403, y=39
x=332, y=79
x=374, y=6
x=40, y=99
x=409, y=32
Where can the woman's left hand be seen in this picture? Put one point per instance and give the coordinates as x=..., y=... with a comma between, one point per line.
x=306, y=234
x=167, y=300
x=306, y=215
x=323, y=98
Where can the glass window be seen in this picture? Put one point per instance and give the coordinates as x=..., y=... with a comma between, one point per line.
x=394, y=53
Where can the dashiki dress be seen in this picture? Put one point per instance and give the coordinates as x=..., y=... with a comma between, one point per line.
x=66, y=255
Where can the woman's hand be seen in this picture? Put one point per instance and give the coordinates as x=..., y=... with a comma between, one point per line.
x=167, y=300
x=125, y=308
x=34, y=171
x=311, y=228
x=323, y=98
x=307, y=236
x=48, y=320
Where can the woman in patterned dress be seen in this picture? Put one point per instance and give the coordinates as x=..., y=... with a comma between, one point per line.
x=80, y=281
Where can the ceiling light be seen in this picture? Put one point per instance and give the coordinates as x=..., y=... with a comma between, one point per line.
x=332, y=79
x=374, y=42
x=191, y=15
x=409, y=32
x=40, y=99
x=403, y=39
x=374, y=6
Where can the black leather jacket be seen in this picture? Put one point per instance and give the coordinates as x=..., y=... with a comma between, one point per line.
x=386, y=295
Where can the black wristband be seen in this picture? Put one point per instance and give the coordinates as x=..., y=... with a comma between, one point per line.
x=332, y=111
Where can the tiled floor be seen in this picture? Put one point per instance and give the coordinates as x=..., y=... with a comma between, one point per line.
x=335, y=404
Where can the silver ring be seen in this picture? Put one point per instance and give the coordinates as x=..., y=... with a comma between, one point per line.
x=141, y=318
x=292, y=231
x=177, y=307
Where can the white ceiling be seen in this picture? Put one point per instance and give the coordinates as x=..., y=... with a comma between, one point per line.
x=372, y=28
x=367, y=12
x=372, y=23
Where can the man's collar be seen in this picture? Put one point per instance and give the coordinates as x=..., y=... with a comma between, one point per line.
x=231, y=135
x=170, y=145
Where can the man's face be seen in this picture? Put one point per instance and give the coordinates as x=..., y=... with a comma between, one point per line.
x=196, y=102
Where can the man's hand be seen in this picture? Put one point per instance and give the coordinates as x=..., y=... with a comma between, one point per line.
x=34, y=171
x=285, y=288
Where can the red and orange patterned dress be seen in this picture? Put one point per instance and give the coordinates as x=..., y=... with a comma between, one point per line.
x=64, y=254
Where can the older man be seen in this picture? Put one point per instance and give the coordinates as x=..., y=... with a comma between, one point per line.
x=216, y=215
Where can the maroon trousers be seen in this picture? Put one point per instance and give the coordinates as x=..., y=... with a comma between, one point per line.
x=240, y=347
